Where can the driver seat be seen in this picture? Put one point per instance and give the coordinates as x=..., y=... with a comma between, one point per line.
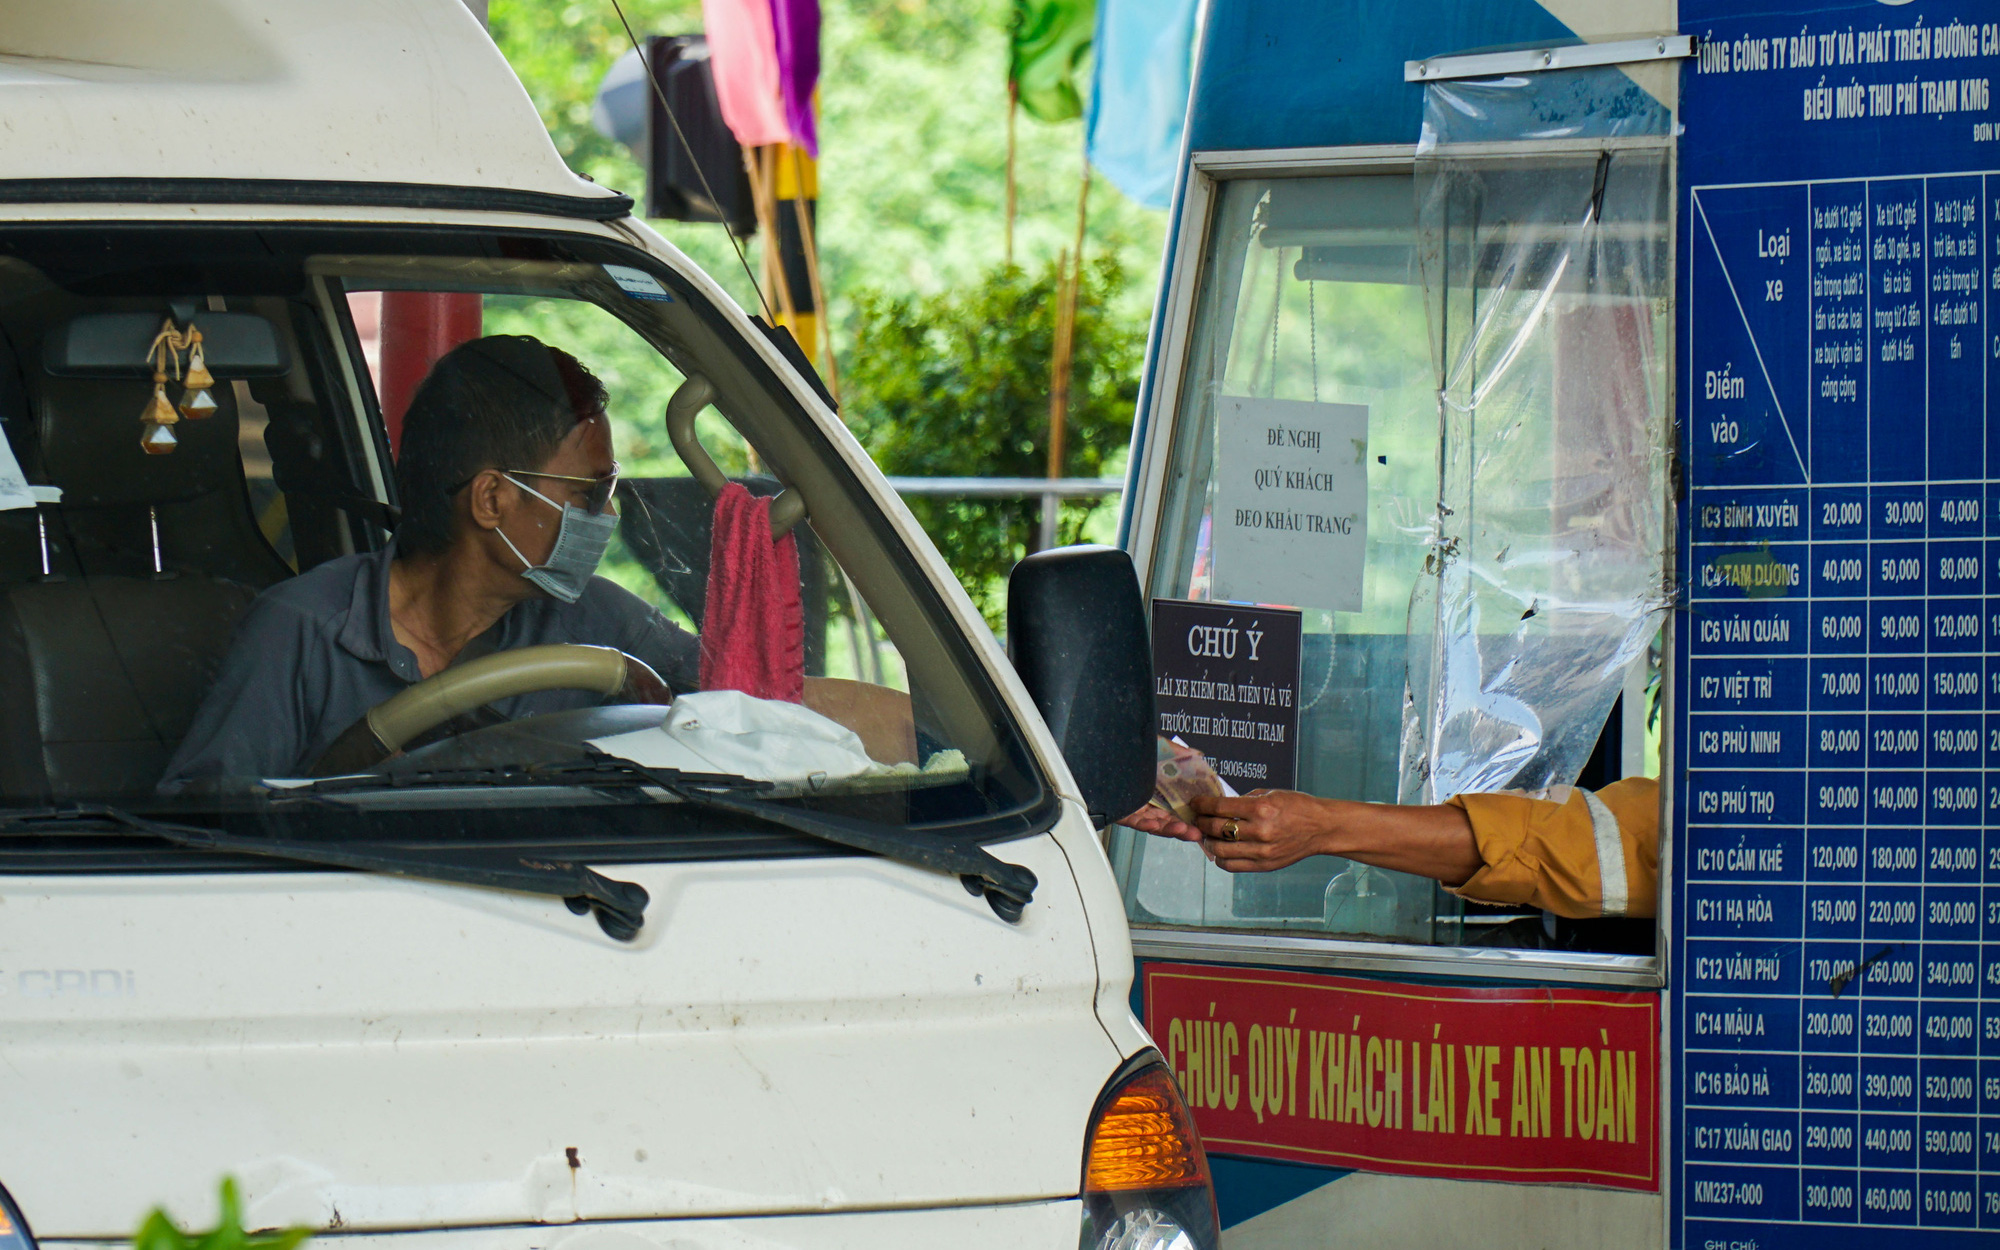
x=104, y=664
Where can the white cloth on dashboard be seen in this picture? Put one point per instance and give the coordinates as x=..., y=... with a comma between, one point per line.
x=727, y=731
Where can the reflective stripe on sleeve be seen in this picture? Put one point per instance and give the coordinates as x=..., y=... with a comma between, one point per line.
x=1610, y=855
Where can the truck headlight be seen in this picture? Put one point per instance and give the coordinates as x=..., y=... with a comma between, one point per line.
x=14, y=1231
x=1146, y=1184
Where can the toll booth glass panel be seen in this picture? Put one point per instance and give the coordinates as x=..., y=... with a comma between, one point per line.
x=1538, y=496
x=1310, y=291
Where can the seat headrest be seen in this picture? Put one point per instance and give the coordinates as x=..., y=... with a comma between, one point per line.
x=89, y=435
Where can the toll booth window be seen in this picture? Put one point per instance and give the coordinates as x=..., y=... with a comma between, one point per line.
x=1368, y=306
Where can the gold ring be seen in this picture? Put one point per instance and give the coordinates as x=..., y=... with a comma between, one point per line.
x=1230, y=828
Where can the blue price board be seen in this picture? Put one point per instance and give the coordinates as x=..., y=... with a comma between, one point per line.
x=1835, y=1023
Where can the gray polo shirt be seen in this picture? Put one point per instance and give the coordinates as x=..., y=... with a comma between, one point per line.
x=314, y=653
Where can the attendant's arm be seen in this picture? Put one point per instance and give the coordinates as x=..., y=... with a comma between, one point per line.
x=1586, y=856
x=1277, y=828
x=1591, y=854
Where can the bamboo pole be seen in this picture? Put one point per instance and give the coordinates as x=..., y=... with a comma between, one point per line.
x=1082, y=203
x=1059, y=365
x=1063, y=357
x=1013, y=107
x=760, y=163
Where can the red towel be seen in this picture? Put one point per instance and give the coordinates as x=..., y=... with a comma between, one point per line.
x=753, y=631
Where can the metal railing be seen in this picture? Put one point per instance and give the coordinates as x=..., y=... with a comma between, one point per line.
x=864, y=646
x=1009, y=487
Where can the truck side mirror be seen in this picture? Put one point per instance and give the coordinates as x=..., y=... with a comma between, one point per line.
x=1077, y=634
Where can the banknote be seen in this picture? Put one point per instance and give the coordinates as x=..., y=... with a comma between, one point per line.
x=1181, y=773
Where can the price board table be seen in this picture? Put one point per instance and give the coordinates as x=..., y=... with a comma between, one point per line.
x=1837, y=907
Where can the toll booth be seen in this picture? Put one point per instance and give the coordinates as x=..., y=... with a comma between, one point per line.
x=1555, y=393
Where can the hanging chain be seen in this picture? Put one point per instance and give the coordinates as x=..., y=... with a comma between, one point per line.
x=1312, y=329
x=1277, y=309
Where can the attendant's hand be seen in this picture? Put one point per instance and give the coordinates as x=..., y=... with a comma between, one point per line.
x=1262, y=831
x=1160, y=822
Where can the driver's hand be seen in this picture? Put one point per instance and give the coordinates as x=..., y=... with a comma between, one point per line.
x=1160, y=822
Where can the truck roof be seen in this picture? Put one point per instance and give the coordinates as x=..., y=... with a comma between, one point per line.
x=166, y=101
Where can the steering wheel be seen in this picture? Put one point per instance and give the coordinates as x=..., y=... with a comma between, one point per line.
x=391, y=724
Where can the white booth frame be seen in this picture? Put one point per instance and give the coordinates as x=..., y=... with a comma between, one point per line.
x=1153, y=451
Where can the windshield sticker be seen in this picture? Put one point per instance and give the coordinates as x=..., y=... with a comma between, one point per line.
x=1291, y=502
x=637, y=283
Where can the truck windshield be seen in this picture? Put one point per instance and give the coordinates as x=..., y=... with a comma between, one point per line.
x=238, y=498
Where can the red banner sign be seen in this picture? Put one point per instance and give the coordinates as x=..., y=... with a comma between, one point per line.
x=1510, y=1084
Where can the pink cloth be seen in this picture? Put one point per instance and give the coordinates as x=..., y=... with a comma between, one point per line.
x=753, y=630
x=743, y=54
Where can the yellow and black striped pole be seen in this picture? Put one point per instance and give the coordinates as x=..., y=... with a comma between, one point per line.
x=796, y=188
x=785, y=184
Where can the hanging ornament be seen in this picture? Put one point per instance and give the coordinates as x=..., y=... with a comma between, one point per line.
x=156, y=424
x=196, y=402
x=157, y=421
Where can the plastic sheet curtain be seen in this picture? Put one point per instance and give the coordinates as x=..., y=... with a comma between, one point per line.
x=1543, y=242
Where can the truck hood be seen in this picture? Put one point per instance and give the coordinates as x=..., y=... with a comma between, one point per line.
x=369, y=1053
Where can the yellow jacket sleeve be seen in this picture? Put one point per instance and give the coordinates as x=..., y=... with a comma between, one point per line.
x=1570, y=851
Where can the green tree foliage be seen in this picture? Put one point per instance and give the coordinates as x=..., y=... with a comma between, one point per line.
x=913, y=128
x=931, y=329
x=561, y=51
x=957, y=385
x=159, y=1233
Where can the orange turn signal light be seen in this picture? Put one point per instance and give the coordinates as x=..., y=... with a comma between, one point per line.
x=1144, y=1138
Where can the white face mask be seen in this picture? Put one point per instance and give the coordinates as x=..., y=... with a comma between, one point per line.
x=580, y=544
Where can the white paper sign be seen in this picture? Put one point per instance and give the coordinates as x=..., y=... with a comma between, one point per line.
x=14, y=489
x=1290, y=523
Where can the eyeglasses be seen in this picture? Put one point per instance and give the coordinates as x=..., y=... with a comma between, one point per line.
x=595, y=500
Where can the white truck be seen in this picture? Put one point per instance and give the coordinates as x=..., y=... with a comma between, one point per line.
x=884, y=1010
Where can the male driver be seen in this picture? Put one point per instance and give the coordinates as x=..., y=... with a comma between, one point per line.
x=506, y=476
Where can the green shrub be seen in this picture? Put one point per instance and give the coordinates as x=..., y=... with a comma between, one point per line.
x=957, y=385
x=159, y=1232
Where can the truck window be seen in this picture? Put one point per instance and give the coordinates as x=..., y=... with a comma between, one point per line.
x=128, y=576
x=1313, y=289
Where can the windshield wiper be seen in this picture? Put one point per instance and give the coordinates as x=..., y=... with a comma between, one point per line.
x=595, y=772
x=620, y=906
x=1008, y=888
